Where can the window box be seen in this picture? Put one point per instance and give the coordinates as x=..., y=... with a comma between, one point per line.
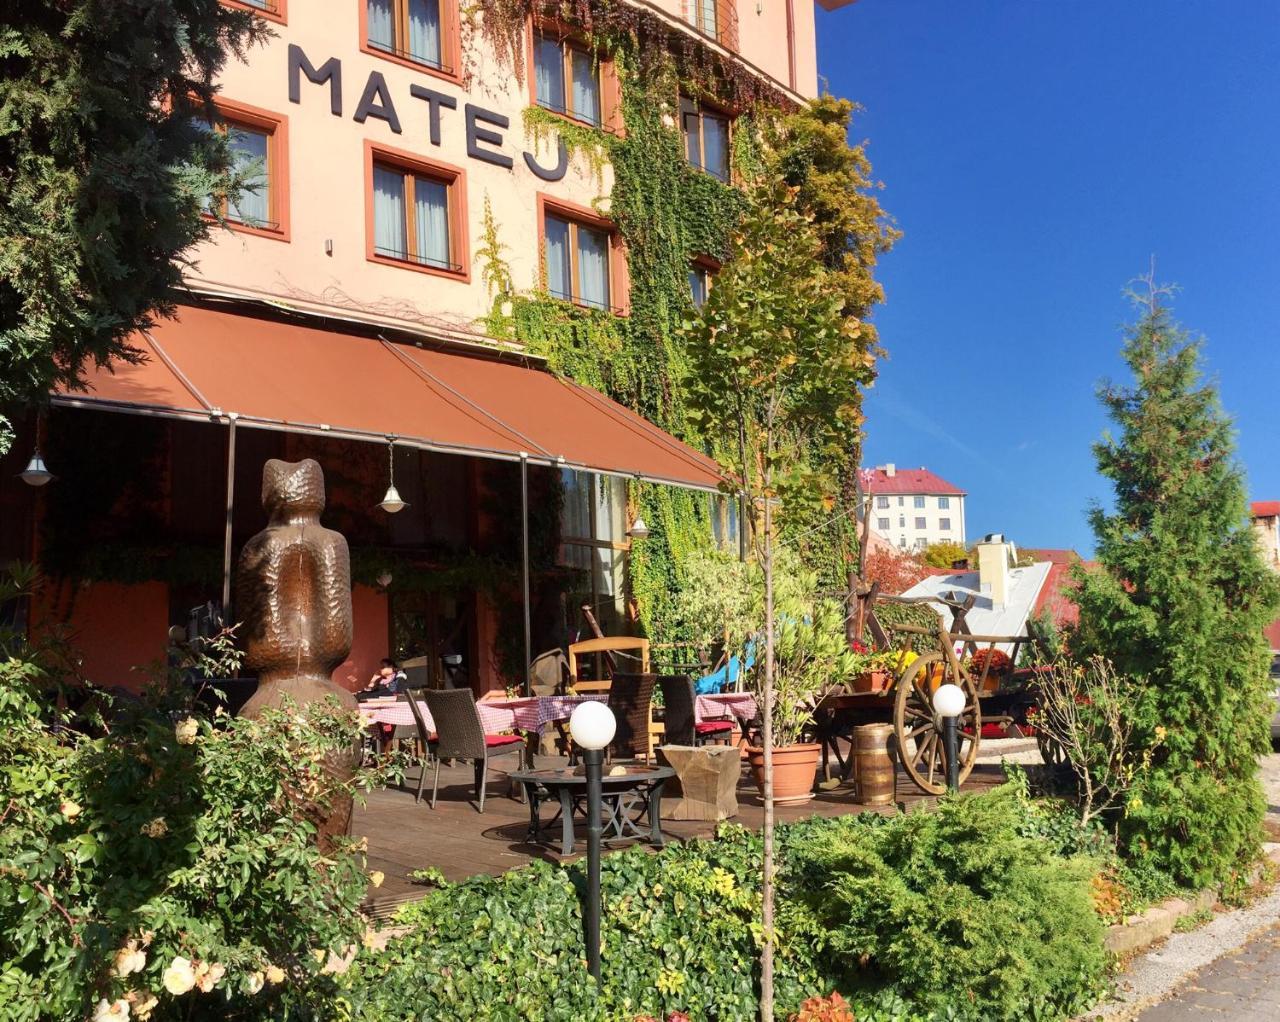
x=419, y=34
x=260, y=137
x=581, y=256
x=415, y=213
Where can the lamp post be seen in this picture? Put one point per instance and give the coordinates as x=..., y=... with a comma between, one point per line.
x=592, y=727
x=948, y=704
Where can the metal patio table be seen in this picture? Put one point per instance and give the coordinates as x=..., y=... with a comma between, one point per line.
x=629, y=800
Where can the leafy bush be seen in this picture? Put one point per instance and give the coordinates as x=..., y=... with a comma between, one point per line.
x=1016, y=923
x=169, y=866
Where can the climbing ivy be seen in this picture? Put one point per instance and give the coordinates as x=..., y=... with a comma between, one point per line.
x=668, y=213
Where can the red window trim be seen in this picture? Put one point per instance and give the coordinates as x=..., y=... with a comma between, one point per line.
x=619, y=282
x=280, y=15
x=277, y=127
x=450, y=49
x=459, y=225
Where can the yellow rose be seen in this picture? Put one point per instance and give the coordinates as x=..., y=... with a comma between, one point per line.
x=187, y=731
x=275, y=974
x=179, y=977
x=376, y=878
x=69, y=809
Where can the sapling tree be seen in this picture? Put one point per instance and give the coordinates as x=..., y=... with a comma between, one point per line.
x=103, y=174
x=1179, y=604
x=775, y=371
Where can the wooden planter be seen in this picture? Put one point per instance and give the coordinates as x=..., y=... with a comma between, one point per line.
x=794, y=768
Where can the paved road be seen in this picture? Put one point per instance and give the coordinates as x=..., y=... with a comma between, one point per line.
x=1243, y=986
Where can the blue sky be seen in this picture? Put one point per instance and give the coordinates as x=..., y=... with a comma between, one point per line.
x=1036, y=155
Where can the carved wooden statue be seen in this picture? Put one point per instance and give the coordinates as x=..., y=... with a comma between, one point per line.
x=293, y=597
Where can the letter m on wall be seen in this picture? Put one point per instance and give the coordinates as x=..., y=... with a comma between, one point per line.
x=330, y=71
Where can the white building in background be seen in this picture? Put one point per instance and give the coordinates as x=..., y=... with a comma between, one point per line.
x=912, y=507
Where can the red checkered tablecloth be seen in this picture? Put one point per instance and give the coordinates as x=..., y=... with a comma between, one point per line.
x=534, y=713
x=494, y=719
x=722, y=704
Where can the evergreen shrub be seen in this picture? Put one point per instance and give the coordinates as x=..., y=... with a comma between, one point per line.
x=956, y=914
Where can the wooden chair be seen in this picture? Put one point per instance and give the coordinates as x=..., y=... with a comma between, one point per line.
x=631, y=700
x=459, y=735
x=680, y=719
x=607, y=644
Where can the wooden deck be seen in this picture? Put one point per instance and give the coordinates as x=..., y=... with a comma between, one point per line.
x=460, y=842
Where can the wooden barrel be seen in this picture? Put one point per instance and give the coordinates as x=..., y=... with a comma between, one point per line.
x=873, y=764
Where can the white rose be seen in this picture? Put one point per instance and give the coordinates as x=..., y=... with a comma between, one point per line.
x=69, y=809
x=179, y=977
x=207, y=976
x=111, y=1011
x=253, y=983
x=130, y=960
x=187, y=731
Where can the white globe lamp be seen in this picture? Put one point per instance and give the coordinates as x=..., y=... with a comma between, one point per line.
x=948, y=701
x=592, y=725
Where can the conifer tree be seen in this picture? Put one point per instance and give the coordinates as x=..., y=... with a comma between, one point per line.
x=1179, y=605
x=102, y=174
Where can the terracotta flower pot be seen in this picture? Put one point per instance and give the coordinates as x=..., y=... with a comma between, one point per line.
x=871, y=681
x=794, y=768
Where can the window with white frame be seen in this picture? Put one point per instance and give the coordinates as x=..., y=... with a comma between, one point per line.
x=944, y=524
x=944, y=503
x=882, y=524
x=920, y=523
x=918, y=502
x=882, y=502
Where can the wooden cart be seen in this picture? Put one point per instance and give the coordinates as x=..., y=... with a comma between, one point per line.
x=907, y=703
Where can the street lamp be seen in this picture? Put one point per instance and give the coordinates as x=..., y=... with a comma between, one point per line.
x=592, y=727
x=948, y=704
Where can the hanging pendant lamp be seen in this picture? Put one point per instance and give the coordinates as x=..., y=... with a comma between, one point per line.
x=392, y=502
x=36, y=473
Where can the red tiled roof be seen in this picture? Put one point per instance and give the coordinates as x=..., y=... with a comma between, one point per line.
x=1273, y=634
x=1055, y=594
x=907, y=481
x=1265, y=508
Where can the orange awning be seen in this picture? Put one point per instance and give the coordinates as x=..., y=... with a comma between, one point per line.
x=272, y=374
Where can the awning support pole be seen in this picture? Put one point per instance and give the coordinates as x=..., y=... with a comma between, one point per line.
x=524, y=560
x=231, y=500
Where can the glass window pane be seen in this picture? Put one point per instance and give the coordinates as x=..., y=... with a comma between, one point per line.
x=559, y=270
x=431, y=216
x=388, y=213
x=608, y=580
x=715, y=144
x=611, y=509
x=381, y=22
x=882, y=502
x=944, y=524
x=548, y=72
x=692, y=136
x=944, y=503
x=593, y=268
x=424, y=31
x=249, y=156
x=920, y=523
x=882, y=524
x=575, y=512
x=918, y=502
x=698, y=285
x=706, y=16
x=586, y=88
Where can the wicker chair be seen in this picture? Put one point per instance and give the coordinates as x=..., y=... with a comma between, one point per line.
x=679, y=718
x=631, y=700
x=427, y=739
x=460, y=736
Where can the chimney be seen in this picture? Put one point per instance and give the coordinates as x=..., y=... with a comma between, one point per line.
x=993, y=569
x=891, y=470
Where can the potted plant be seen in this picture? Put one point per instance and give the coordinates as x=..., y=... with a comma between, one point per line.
x=988, y=667
x=811, y=657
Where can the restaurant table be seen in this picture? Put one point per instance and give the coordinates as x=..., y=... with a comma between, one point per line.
x=494, y=719
x=741, y=705
x=534, y=713
x=627, y=798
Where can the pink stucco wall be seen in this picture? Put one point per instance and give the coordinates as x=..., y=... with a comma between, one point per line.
x=369, y=638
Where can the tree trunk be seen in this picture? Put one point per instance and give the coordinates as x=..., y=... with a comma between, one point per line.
x=766, y=889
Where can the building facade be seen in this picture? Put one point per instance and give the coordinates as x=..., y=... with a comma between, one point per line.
x=420, y=175
x=913, y=507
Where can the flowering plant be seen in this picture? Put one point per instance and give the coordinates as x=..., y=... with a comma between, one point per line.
x=990, y=662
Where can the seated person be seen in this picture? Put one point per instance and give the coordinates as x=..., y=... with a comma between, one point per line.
x=388, y=680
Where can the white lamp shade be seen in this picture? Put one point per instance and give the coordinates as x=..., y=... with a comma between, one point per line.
x=384, y=579
x=592, y=725
x=949, y=701
x=392, y=502
x=638, y=529
x=35, y=474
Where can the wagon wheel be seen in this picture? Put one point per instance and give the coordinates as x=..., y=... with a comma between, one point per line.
x=1051, y=750
x=920, y=742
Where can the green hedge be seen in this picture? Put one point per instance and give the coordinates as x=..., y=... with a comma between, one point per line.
x=868, y=905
